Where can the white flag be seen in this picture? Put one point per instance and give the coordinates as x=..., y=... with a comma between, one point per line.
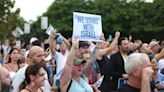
x=26, y=28
x=19, y=31
x=15, y=34
x=44, y=22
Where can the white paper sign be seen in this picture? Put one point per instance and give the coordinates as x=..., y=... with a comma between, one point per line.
x=26, y=28
x=86, y=27
x=50, y=28
x=44, y=22
x=19, y=30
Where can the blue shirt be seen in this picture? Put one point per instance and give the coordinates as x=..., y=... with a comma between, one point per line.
x=83, y=86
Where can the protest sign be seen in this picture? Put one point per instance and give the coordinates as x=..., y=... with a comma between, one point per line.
x=86, y=27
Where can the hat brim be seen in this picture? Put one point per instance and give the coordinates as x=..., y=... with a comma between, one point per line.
x=80, y=62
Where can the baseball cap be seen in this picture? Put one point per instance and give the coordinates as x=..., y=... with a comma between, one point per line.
x=152, y=43
x=33, y=39
x=78, y=61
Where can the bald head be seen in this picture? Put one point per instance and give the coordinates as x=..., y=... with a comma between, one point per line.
x=36, y=54
x=4, y=76
x=34, y=49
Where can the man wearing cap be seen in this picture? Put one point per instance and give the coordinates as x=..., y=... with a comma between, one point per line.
x=33, y=42
x=71, y=78
x=154, y=46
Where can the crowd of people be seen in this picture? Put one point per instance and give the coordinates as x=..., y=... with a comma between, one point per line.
x=70, y=65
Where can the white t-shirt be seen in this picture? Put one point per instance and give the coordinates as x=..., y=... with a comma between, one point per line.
x=60, y=60
x=12, y=74
x=20, y=76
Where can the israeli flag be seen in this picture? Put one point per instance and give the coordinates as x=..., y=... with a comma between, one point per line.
x=50, y=28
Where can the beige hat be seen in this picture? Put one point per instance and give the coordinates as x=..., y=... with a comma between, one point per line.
x=78, y=61
x=152, y=43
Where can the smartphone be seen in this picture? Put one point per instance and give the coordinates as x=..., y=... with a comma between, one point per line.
x=110, y=37
x=46, y=46
x=23, y=52
x=121, y=82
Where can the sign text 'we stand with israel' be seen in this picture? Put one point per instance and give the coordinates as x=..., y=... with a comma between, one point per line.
x=87, y=27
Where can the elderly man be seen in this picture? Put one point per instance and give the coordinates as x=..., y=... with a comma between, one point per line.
x=154, y=46
x=36, y=56
x=139, y=70
x=5, y=80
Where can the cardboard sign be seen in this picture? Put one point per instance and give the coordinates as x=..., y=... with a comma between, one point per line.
x=86, y=27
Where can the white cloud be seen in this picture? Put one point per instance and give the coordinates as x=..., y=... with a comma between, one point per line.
x=30, y=9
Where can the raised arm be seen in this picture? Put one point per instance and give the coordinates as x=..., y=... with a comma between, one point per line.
x=154, y=61
x=66, y=77
x=105, y=51
x=146, y=78
x=52, y=43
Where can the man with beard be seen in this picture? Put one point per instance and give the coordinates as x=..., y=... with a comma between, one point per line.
x=116, y=64
x=5, y=80
x=36, y=56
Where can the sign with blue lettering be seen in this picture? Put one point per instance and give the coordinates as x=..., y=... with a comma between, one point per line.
x=86, y=27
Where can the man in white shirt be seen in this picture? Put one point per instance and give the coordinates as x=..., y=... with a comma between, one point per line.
x=59, y=57
x=36, y=56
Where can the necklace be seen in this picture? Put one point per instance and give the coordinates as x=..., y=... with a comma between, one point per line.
x=28, y=89
x=13, y=67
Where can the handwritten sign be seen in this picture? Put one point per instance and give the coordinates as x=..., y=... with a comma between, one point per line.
x=86, y=27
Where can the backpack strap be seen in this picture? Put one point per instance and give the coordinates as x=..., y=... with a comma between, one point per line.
x=69, y=85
